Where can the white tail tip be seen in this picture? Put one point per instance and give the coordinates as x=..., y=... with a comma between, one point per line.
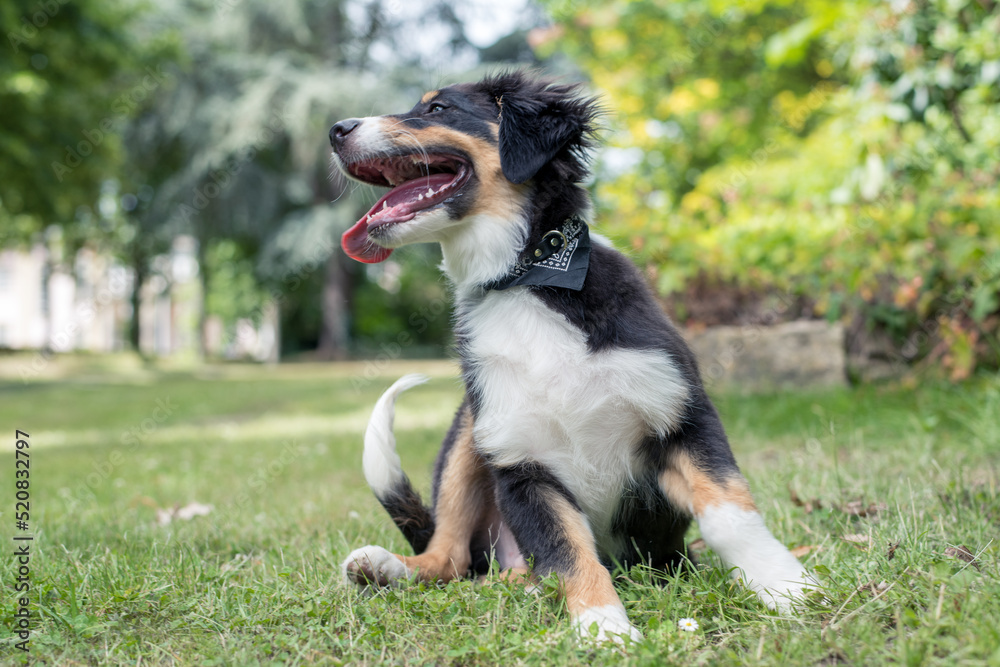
x=383, y=469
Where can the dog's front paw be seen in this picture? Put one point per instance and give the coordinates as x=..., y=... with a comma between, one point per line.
x=373, y=566
x=783, y=595
x=612, y=625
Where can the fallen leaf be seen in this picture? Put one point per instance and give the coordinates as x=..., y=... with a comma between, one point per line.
x=809, y=506
x=860, y=540
x=859, y=509
x=794, y=496
x=804, y=550
x=892, y=550
x=962, y=553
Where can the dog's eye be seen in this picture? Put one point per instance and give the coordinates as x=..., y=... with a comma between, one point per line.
x=435, y=107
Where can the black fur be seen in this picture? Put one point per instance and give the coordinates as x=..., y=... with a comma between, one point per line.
x=410, y=515
x=404, y=505
x=544, y=131
x=650, y=528
x=523, y=494
x=541, y=124
x=467, y=109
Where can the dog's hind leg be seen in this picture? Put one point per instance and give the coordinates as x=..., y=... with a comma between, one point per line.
x=730, y=524
x=554, y=535
x=464, y=492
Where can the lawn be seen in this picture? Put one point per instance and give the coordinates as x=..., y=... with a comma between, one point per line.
x=890, y=493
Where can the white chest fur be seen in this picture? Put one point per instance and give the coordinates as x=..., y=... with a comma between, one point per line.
x=546, y=398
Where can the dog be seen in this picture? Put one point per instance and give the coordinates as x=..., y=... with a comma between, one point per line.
x=585, y=438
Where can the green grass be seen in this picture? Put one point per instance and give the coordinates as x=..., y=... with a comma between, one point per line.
x=277, y=453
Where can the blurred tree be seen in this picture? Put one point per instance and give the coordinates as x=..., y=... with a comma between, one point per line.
x=244, y=131
x=71, y=76
x=840, y=152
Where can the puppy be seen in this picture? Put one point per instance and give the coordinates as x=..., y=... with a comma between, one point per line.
x=585, y=437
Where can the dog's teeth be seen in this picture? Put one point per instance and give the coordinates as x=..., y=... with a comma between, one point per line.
x=384, y=205
x=420, y=197
x=430, y=193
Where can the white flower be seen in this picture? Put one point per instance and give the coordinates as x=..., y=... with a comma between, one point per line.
x=687, y=624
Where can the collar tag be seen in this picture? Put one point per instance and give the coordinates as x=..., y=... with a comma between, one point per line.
x=561, y=259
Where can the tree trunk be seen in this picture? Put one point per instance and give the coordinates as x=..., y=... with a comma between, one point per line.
x=333, y=334
x=139, y=279
x=204, y=278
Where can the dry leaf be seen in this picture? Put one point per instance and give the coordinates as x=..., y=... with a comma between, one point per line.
x=892, y=550
x=799, y=552
x=859, y=540
x=859, y=509
x=809, y=506
x=962, y=553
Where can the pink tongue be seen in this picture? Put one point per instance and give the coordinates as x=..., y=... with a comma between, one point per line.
x=358, y=246
x=400, y=205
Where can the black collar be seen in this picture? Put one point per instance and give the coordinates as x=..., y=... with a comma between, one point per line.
x=560, y=259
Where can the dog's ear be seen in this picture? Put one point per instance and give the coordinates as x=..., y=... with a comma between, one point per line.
x=539, y=122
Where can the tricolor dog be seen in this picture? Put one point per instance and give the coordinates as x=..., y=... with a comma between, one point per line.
x=585, y=437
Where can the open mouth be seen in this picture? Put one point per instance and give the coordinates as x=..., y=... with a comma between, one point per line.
x=418, y=182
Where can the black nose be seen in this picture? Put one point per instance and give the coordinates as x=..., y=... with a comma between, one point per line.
x=339, y=132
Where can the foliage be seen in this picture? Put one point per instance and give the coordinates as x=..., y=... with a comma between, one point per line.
x=221, y=137
x=234, y=293
x=236, y=151
x=845, y=152
x=405, y=306
x=71, y=76
x=276, y=452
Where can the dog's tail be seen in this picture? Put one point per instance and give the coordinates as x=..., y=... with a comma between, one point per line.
x=384, y=471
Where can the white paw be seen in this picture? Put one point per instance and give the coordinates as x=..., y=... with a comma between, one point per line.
x=781, y=595
x=373, y=566
x=612, y=625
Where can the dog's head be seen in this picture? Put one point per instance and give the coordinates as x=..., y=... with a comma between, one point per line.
x=510, y=147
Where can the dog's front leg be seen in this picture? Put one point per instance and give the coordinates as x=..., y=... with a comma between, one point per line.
x=731, y=525
x=554, y=536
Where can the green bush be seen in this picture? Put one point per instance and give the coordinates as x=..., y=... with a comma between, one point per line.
x=845, y=152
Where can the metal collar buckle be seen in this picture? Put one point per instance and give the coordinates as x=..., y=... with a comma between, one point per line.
x=551, y=243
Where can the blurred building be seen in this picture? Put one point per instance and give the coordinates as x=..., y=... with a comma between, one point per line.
x=171, y=302
x=85, y=305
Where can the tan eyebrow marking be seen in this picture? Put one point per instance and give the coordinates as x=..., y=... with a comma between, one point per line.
x=430, y=96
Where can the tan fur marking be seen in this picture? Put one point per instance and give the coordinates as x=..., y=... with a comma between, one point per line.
x=496, y=196
x=461, y=504
x=588, y=584
x=688, y=487
x=429, y=96
x=517, y=575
